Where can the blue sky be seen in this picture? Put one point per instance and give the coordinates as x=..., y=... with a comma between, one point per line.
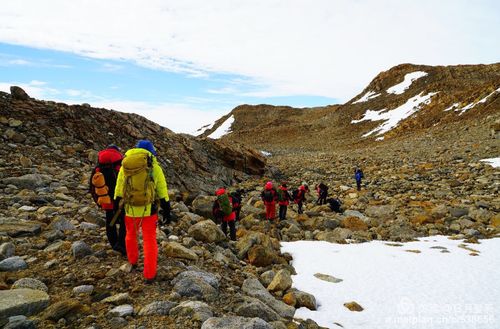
x=184, y=64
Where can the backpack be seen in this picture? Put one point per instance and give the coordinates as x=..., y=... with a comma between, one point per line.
x=281, y=195
x=99, y=189
x=225, y=204
x=295, y=194
x=236, y=199
x=139, y=187
x=268, y=195
x=103, y=182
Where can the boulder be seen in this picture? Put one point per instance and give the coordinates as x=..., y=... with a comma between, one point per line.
x=206, y=231
x=28, y=181
x=195, y=310
x=354, y=224
x=236, y=322
x=261, y=256
x=12, y=264
x=22, y=302
x=305, y=299
x=382, y=212
x=253, y=288
x=177, y=250
x=16, y=228
x=282, y=281
x=7, y=249
x=62, y=309
x=80, y=249
x=30, y=283
x=122, y=310
x=19, y=322
x=157, y=308
x=18, y=93
x=202, y=205
x=196, y=284
x=252, y=307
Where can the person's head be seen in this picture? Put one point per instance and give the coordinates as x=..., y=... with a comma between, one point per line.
x=269, y=185
x=147, y=145
x=220, y=191
x=114, y=147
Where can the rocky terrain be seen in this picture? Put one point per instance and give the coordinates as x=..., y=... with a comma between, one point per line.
x=57, y=271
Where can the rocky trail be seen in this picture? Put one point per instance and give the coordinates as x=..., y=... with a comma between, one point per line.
x=57, y=270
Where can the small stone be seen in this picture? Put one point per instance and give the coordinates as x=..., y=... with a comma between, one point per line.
x=30, y=283
x=118, y=299
x=157, y=308
x=327, y=278
x=7, y=249
x=281, y=281
x=353, y=306
x=83, y=290
x=13, y=264
x=80, y=249
x=122, y=310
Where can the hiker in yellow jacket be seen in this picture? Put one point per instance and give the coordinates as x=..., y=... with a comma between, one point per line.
x=140, y=186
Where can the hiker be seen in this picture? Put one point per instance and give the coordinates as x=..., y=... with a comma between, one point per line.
x=237, y=199
x=269, y=196
x=102, y=188
x=300, y=197
x=284, y=198
x=358, y=175
x=335, y=205
x=223, y=210
x=140, y=187
x=322, y=190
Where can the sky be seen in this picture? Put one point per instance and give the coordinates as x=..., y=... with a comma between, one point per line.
x=184, y=64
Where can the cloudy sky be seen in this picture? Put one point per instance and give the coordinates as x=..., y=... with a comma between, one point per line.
x=186, y=63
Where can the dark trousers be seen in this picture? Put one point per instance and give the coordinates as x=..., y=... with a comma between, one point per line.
x=237, y=211
x=282, y=212
x=321, y=200
x=116, y=235
x=358, y=184
x=232, y=229
x=299, y=210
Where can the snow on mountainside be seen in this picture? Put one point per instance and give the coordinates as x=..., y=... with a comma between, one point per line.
x=223, y=129
x=405, y=100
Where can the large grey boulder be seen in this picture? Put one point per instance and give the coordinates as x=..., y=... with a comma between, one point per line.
x=12, y=264
x=236, y=322
x=80, y=249
x=28, y=181
x=22, y=302
x=15, y=228
x=253, y=288
x=196, y=284
x=252, y=307
x=30, y=283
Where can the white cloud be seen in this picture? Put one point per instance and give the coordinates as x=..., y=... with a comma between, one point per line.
x=330, y=48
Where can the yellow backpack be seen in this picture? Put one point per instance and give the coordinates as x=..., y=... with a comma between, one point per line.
x=139, y=189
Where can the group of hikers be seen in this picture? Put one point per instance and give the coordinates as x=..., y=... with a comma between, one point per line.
x=132, y=191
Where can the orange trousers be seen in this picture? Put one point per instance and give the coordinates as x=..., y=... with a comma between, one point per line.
x=148, y=225
x=270, y=210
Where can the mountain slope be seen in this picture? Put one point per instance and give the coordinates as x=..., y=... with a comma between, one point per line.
x=55, y=132
x=404, y=100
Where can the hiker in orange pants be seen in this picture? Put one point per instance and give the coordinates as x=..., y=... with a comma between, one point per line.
x=148, y=225
x=140, y=184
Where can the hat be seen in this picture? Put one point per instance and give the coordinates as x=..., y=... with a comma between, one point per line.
x=220, y=191
x=113, y=146
x=269, y=185
x=147, y=145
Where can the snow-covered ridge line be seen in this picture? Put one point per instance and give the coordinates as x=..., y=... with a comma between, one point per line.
x=223, y=129
x=408, y=80
x=393, y=117
x=203, y=129
x=366, y=97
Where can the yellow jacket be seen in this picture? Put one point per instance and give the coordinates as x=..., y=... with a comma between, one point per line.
x=159, y=181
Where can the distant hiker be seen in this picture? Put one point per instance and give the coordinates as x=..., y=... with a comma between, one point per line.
x=335, y=205
x=102, y=187
x=299, y=197
x=269, y=196
x=358, y=175
x=141, y=186
x=223, y=210
x=322, y=190
x=284, y=198
x=237, y=199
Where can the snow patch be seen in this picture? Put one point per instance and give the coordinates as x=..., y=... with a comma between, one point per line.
x=494, y=162
x=224, y=128
x=397, y=286
x=369, y=95
x=393, y=117
x=471, y=105
x=455, y=105
x=408, y=80
x=266, y=154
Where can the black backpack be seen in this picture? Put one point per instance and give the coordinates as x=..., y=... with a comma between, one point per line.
x=295, y=194
x=268, y=195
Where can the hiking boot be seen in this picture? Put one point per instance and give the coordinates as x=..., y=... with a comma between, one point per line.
x=150, y=281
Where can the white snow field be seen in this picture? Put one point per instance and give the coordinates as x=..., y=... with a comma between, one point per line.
x=398, y=288
x=224, y=128
x=393, y=117
x=408, y=80
x=366, y=97
x=494, y=162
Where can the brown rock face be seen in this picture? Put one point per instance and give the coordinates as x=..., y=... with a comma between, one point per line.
x=76, y=131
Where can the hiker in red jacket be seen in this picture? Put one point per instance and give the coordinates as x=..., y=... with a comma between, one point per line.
x=102, y=188
x=300, y=197
x=284, y=198
x=223, y=210
x=269, y=196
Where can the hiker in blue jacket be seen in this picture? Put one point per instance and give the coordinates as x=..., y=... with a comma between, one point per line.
x=358, y=175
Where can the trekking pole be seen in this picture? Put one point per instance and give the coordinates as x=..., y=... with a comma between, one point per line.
x=118, y=212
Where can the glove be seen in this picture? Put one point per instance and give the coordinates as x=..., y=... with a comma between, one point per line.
x=165, y=207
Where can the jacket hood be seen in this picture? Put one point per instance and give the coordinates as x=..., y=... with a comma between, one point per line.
x=269, y=186
x=220, y=191
x=147, y=145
